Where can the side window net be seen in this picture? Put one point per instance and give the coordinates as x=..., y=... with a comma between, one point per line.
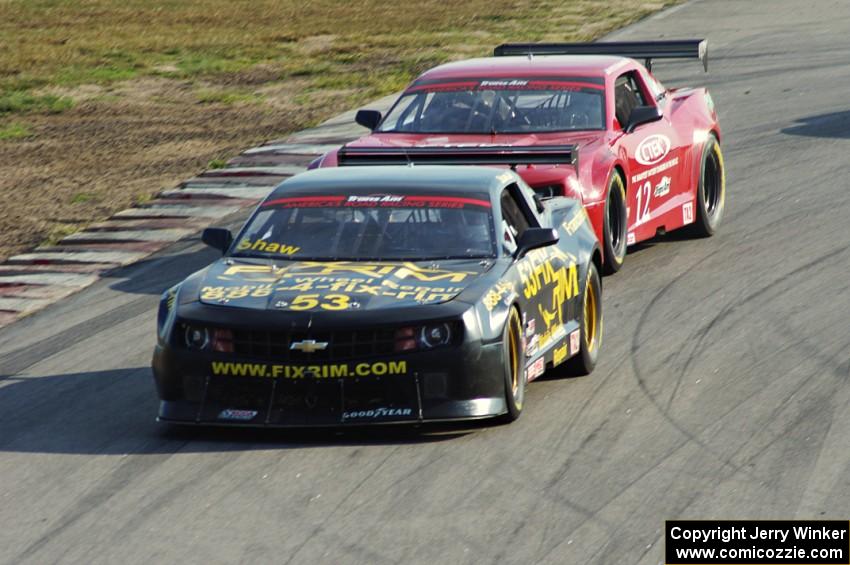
x=627, y=95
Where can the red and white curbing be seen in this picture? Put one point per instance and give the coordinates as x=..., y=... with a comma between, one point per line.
x=30, y=281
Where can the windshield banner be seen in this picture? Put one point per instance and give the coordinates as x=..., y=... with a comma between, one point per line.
x=376, y=201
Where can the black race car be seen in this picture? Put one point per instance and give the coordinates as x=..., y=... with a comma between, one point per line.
x=382, y=294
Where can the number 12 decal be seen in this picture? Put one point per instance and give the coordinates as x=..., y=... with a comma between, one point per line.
x=643, y=195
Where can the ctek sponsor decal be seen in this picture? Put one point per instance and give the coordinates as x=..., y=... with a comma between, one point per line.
x=336, y=371
x=377, y=413
x=652, y=149
x=234, y=414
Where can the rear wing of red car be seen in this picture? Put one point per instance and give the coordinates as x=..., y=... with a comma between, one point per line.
x=646, y=50
x=458, y=155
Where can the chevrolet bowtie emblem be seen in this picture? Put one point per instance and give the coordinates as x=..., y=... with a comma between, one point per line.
x=309, y=345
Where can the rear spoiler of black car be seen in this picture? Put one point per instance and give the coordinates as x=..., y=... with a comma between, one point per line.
x=463, y=155
x=646, y=50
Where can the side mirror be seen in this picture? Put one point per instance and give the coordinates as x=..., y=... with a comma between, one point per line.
x=217, y=238
x=533, y=238
x=642, y=115
x=368, y=118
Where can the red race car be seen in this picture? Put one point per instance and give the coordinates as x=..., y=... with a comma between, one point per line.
x=584, y=120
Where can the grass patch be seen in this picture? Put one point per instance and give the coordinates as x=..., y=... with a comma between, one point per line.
x=20, y=102
x=143, y=199
x=95, y=75
x=14, y=131
x=59, y=232
x=83, y=197
x=217, y=164
x=330, y=44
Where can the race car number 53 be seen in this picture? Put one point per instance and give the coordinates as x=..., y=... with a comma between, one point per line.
x=313, y=301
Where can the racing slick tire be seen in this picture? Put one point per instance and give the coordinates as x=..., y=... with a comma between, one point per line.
x=590, y=329
x=514, y=360
x=711, y=190
x=615, y=225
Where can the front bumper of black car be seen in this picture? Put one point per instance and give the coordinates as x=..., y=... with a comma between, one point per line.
x=463, y=382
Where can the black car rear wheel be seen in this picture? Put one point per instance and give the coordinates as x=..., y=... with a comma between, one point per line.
x=614, y=227
x=514, y=360
x=711, y=191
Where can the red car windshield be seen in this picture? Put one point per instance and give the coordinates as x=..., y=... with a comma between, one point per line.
x=498, y=106
x=374, y=227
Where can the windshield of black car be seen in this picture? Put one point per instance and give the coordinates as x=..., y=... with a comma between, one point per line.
x=370, y=226
x=498, y=106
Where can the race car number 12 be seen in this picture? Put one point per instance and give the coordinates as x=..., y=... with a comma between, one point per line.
x=643, y=195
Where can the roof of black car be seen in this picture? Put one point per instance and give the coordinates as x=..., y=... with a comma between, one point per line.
x=417, y=178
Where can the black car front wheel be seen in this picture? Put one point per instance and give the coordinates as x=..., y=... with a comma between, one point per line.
x=514, y=362
x=614, y=227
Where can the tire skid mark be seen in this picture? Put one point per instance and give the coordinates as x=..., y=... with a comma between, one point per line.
x=406, y=477
x=762, y=232
x=584, y=514
x=145, y=279
x=569, y=429
x=694, y=349
x=36, y=412
x=731, y=307
x=774, y=416
x=688, y=437
x=354, y=552
x=21, y=359
x=318, y=529
x=701, y=335
x=812, y=491
x=642, y=385
x=825, y=361
x=660, y=461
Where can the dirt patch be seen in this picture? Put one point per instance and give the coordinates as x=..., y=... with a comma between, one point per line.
x=106, y=155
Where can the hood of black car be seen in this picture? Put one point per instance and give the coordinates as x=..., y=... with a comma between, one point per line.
x=328, y=286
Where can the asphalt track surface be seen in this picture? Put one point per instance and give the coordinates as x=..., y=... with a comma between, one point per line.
x=723, y=390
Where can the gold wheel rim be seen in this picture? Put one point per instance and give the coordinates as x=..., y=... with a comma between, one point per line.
x=719, y=156
x=513, y=338
x=590, y=315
